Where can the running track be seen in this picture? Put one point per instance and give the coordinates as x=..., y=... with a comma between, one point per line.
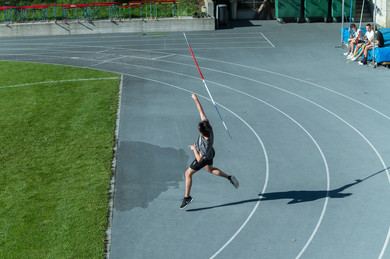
x=310, y=141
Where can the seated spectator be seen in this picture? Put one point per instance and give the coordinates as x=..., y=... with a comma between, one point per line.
x=379, y=43
x=367, y=39
x=353, y=39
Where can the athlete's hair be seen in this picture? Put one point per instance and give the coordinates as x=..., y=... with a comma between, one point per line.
x=205, y=128
x=368, y=25
x=353, y=25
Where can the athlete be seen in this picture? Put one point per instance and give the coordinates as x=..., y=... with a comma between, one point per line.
x=204, y=154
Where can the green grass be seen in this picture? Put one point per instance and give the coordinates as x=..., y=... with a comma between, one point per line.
x=56, y=147
x=185, y=8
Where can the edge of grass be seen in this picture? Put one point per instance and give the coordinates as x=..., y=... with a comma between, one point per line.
x=54, y=218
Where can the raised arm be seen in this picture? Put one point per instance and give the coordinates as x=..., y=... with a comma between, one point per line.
x=199, y=106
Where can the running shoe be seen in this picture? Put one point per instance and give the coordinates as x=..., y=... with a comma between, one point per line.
x=186, y=201
x=354, y=58
x=346, y=53
x=234, y=181
x=360, y=63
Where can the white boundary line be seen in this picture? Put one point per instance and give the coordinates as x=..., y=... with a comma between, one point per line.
x=107, y=61
x=126, y=37
x=130, y=40
x=385, y=245
x=245, y=66
x=60, y=81
x=267, y=40
x=303, y=81
x=253, y=131
x=165, y=56
x=385, y=167
x=316, y=104
x=326, y=110
x=257, y=204
x=335, y=115
x=267, y=165
x=323, y=159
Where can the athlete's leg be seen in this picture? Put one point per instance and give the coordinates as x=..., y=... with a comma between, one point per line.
x=188, y=176
x=216, y=171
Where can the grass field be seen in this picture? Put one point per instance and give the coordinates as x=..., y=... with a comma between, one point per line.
x=185, y=8
x=56, y=147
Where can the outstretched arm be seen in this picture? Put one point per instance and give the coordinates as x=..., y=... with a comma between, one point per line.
x=199, y=106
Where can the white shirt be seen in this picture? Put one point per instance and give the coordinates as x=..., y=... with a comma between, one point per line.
x=369, y=35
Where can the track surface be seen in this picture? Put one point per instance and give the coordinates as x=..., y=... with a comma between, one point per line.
x=310, y=141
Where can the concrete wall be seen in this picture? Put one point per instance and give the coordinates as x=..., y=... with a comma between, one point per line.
x=383, y=13
x=97, y=27
x=209, y=4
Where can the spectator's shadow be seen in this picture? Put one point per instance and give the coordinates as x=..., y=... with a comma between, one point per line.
x=296, y=196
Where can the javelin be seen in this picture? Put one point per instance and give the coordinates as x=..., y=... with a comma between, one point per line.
x=205, y=85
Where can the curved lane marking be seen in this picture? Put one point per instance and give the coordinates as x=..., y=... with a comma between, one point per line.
x=301, y=97
x=60, y=81
x=258, y=202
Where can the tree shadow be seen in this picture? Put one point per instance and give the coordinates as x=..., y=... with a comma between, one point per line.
x=144, y=171
x=297, y=196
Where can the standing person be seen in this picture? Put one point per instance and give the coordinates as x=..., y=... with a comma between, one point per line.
x=379, y=43
x=204, y=154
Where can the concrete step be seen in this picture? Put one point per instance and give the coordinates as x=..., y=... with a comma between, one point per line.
x=367, y=15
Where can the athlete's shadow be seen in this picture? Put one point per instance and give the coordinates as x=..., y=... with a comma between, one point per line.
x=297, y=196
x=305, y=196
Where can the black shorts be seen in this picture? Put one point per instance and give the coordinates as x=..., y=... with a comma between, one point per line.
x=195, y=165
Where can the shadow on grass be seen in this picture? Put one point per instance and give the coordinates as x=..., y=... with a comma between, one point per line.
x=297, y=196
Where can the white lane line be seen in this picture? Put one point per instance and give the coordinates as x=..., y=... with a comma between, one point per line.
x=254, y=68
x=268, y=40
x=301, y=97
x=323, y=159
x=249, y=67
x=164, y=56
x=385, y=245
x=211, y=40
x=258, y=203
x=344, y=121
x=253, y=131
x=106, y=61
x=257, y=81
x=263, y=191
x=70, y=39
x=139, y=39
x=61, y=81
x=318, y=106
x=300, y=80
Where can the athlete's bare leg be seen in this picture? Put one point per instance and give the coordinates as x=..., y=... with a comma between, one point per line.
x=216, y=171
x=189, y=173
